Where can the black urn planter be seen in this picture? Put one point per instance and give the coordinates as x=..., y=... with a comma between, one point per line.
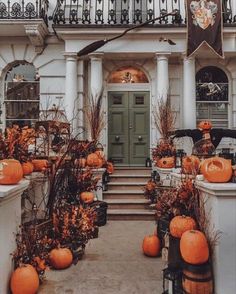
x=101, y=210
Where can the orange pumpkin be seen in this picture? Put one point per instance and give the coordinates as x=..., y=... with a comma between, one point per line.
x=217, y=169
x=180, y=224
x=93, y=160
x=87, y=197
x=60, y=258
x=11, y=172
x=205, y=125
x=110, y=167
x=193, y=247
x=190, y=164
x=151, y=246
x=27, y=168
x=166, y=162
x=24, y=280
x=40, y=164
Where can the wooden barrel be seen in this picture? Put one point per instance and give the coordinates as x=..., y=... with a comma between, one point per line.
x=197, y=279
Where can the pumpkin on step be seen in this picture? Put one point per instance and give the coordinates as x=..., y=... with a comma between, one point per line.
x=60, y=258
x=216, y=170
x=93, y=160
x=24, y=280
x=166, y=162
x=11, y=172
x=193, y=247
x=180, y=224
x=151, y=246
x=190, y=164
x=110, y=167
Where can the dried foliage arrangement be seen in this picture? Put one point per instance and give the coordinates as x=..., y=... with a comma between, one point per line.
x=95, y=117
x=151, y=191
x=15, y=143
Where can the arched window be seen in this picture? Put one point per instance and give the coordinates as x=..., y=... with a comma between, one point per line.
x=21, y=95
x=128, y=74
x=212, y=96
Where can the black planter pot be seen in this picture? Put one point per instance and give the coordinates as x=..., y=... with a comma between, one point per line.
x=175, y=260
x=101, y=210
x=163, y=228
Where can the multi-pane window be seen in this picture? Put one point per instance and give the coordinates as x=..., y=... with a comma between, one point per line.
x=212, y=96
x=21, y=95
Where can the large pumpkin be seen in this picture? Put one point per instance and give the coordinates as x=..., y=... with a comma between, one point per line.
x=87, y=197
x=27, y=168
x=193, y=247
x=151, y=246
x=40, y=164
x=217, y=169
x=60, y=258
x=24, y=280
x=180, y=224
x=166, y=162
x=11, y=172
x=93, y=160
x=190, y=164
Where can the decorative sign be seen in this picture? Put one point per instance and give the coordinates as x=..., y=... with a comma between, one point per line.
x=204, y=23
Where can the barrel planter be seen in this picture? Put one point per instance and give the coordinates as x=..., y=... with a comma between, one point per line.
x=197, y=279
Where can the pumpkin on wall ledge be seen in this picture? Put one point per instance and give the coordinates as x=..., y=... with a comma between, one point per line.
x=190, y=164
x=166, y=162
x=217, y=169
x=11, y=172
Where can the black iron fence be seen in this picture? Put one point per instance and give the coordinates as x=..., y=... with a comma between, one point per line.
x=125, y=12
x=24, y=9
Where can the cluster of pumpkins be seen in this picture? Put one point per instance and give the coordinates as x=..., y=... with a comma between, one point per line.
x=214, y=169
x=12, y=171
x=25, y=278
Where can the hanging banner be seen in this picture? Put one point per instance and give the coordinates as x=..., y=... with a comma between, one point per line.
x=204, y=25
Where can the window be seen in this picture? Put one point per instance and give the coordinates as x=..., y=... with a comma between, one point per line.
x=212, y=96
x=128, y=74
x=22, y=95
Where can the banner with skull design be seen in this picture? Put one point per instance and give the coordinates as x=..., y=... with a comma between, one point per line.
x=204, y=23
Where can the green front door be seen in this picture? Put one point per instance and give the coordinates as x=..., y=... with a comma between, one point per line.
x=128, y=127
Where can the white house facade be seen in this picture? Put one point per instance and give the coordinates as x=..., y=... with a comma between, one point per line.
x=39, y=67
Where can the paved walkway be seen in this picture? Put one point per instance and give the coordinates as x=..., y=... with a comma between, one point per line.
x=112, y=264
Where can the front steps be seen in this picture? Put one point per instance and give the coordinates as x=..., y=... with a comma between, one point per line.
x=125, y=195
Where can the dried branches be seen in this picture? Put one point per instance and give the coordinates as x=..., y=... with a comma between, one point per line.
x=95, y=117
x=164, y=117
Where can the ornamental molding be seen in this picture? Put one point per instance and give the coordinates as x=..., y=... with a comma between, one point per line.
x=37, y=34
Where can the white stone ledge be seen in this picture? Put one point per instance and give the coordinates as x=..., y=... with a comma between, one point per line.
x=217, y=189
x=8, y=192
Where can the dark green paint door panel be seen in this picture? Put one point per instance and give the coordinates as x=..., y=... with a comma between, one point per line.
x=128, y=127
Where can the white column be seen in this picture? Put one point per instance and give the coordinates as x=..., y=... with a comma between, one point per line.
x=189, y=93
x=162, y=75
x=71, y=90
x=96, y=74
x=80, y=129
x=10, y=219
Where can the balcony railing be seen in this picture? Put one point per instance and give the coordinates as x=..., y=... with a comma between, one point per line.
x=125, y=12
x=24, y=9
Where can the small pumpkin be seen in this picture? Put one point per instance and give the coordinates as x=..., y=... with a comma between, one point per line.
x=205, y=125
x=193, y=247
x=151, y=246
x=217, y=169
x=166, y=162
x=180, y=224
x=27, y=168
x=24, y=280
x=87, y=197
x=11, y=172
x=190, y=164
x=60, y=258
x=40, y=164
x=110, y=167
x=93, y=160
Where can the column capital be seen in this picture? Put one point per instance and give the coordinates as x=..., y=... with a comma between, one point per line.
x=96, y=55
x=190, y=58
x=72, y=56
x=162, y=55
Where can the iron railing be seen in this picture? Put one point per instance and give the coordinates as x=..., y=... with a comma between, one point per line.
x=24, y=9
x=125, y=12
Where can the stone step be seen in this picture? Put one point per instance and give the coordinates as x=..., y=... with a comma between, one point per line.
x=123, y=194
x=129, y=178
x=128, y=203
x=130, y=214
x=132, y=171
x=125, y=186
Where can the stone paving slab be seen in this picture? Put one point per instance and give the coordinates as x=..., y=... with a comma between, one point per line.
x=112, y=264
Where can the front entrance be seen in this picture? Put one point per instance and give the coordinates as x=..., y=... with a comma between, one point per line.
x=128, y=127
